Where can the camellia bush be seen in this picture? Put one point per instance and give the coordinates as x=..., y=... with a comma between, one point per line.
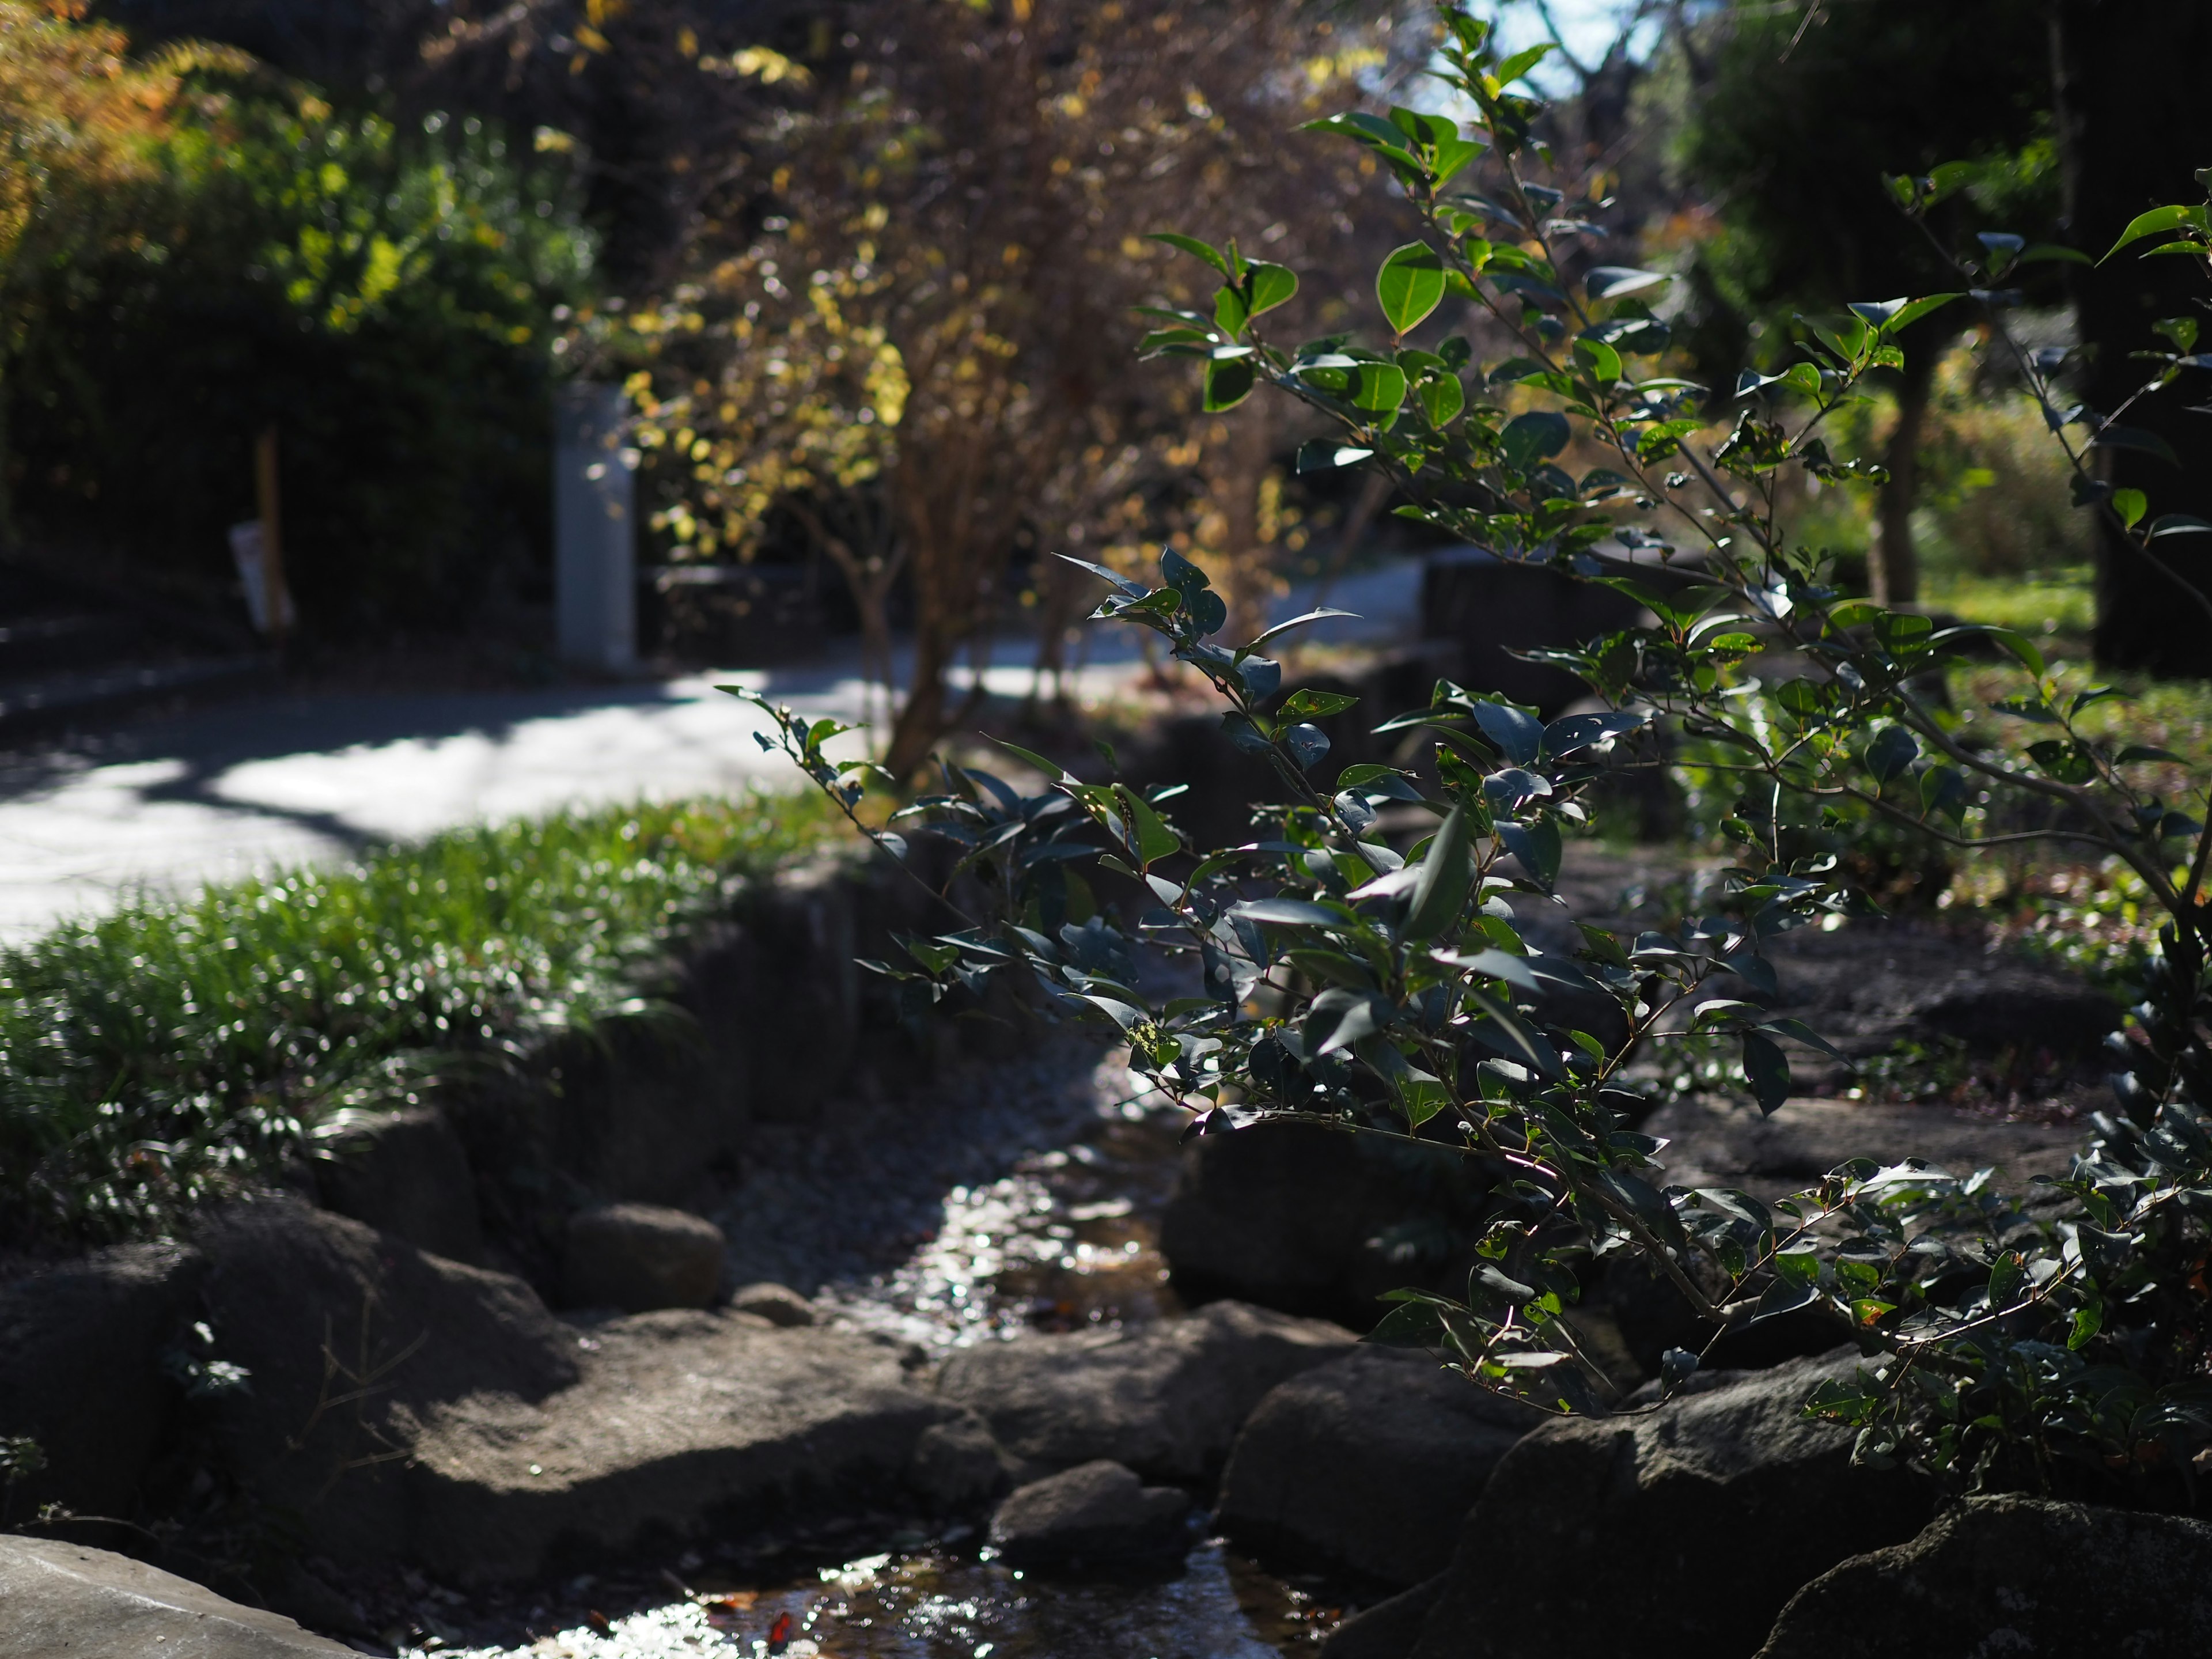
x=1345, y=972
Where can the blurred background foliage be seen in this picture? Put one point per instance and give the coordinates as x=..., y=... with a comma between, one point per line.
x=380, y=293
x=909, y=352
x=867, y=266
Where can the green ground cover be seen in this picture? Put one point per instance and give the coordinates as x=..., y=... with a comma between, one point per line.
x=2056, y=607
x=150, y=1058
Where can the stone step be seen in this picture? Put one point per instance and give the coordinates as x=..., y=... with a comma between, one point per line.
x=684, y=1424
x=452, y=1422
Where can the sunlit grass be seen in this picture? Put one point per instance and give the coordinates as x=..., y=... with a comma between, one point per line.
x=152, y=1055
x=2057, y=608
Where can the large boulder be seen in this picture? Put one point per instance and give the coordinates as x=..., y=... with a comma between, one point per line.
x=83, y=1347
x=2005, y=1576
x=1389, y=1629
x=1093, y=1512
x=404, y=1173
x=1676, y=1533
x=1166, y=1399
x=350, y=1339
x=66, y=1602
x=639, y=1257
x=1311, y=1221
x=1367, y=1464
x=405, y=1407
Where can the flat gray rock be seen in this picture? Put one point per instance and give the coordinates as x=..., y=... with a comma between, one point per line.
x=1875, y=982
x=1166, y=1399
x=1094, y=1512
x=1714, y=1142
x=406, y=1406
x=67, y=1602
x=683, y=1421
x=1367, y=1464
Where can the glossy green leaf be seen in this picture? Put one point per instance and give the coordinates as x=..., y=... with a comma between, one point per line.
x=1307, y=704
x=1509, y=1033
x=1442, y=399
x=1524, y=60
x=1446, y=876
x=1602, y=361
x=1288, y=913
x=1538, y=846
x=1230, y=314
x=1616, y=281
x=1378, y=388
x=1326, y=454
x=1892, y=316
x=2023, y=649
x=1892, y=752
x=2135, y=438
x=1766, y=1068
x=1301, y=621
x=1270, y=285
x=2152, y=223
x=1228, y=383
x=1192, y=245
x=1409, y=286
x=1534, y=437
x=1155, y=841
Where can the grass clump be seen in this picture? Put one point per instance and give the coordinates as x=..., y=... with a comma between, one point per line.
x=154, y=1057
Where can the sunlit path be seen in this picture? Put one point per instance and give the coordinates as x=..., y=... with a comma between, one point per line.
x=227, y=790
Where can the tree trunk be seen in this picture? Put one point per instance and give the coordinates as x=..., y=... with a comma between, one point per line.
x=1247, y=580
x=921, y=718
x=2128, y=87
x=1892, y=565
x=869, y=579
x=7, y=452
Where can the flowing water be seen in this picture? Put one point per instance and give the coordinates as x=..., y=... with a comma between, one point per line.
x=937, y=1604
x=1022, y=1197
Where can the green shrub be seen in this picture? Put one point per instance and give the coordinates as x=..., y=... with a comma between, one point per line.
x=385, y=297
x=1360, y=965
x=1996, y=492
x=157, y=1055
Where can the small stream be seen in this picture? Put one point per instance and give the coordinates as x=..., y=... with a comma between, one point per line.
x=1023, y=1195
x=942, y=1604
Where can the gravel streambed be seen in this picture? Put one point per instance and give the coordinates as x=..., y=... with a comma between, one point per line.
x=1022, y=1195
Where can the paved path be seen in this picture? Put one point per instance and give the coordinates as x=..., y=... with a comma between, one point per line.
x=223, y=790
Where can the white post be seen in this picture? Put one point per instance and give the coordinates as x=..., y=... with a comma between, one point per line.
x=595, y=530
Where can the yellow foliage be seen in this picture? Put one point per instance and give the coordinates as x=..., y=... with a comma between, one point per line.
x=81, y=125
x=819, y=407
